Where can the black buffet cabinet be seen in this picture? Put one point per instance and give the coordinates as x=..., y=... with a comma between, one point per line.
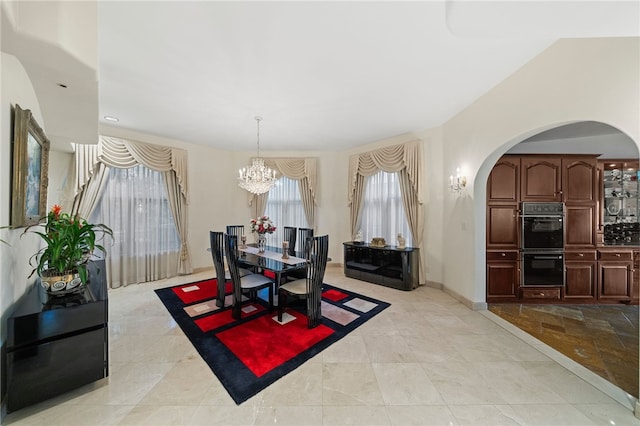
x=57, y=343
x=389, y=266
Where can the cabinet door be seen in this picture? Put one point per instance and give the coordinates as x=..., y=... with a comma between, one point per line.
x=580, y=280
x=502, y=280
x=580, y=226
x=614, y=281
x=503, y=185
x=579, y=180
x=540, y=179
x=502, y=226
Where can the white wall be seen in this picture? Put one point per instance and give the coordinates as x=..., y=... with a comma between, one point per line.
x=573, y=80
x=16, y=88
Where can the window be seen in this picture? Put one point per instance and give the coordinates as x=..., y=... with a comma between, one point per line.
x=145, y=241
x=383, y=212
x=284, y=207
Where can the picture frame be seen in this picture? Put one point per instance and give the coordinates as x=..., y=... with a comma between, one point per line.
x=30, y=169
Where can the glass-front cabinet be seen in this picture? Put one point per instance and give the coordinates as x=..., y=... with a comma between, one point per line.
x=620, y=207
x=620, y=181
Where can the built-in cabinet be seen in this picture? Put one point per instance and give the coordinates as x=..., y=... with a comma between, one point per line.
x=620, y=196
x=594, y=273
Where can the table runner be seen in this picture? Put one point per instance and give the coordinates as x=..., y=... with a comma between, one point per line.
x=292, y=260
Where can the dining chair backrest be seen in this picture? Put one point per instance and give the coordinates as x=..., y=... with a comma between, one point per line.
x=231, y=253
x=303, y=234
x=237, y=230
x=317, y=255
x=217, y=243
x=290, y=236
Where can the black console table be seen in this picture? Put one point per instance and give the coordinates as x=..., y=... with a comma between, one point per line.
x=57, y=343
x=389, y=266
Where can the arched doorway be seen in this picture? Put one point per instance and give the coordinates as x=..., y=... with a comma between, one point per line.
x=587, y=137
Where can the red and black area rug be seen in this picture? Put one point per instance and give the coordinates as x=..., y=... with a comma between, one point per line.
x=250, y=354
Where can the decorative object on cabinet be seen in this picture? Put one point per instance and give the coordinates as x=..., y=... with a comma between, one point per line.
x=378, y=242
x=402, y=241
x=30, y=170
x=70, y=243
x=388, y=266
x=44, y=330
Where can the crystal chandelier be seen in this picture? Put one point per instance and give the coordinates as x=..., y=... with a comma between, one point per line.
x=257, y=178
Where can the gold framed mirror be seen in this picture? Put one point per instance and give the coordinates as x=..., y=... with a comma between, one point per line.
x=30, y=169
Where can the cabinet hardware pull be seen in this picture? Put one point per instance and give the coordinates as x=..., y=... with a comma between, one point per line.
x=581, y=254
x=617, y=254
x=503, y=254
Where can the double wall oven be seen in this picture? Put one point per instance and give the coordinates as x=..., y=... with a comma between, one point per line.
x=542, y=244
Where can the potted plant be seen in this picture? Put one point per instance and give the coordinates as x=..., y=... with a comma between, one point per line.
x=70, y=242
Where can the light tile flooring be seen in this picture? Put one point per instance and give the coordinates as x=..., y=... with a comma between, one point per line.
x=426, y=360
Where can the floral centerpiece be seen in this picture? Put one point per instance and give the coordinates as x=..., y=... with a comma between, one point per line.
x=70, y=242
x=262, y=225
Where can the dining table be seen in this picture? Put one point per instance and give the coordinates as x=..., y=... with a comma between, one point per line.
x=271, y=260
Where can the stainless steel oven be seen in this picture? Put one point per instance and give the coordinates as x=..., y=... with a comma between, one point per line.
x=542, y=244
x=542, y=226
x=542, y=268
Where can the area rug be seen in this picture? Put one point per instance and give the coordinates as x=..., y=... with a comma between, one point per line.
x=250, y=354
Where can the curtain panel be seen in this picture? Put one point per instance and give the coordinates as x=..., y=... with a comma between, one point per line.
x=405, y=159
x=304, y=170
x=120, y=153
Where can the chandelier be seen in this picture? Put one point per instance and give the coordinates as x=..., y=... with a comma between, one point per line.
x=257, y=178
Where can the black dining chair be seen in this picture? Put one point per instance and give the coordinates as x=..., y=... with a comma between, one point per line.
x=303, y=234
x=251, y=283
x=310, y=287
x=216, y=240
x=237, y=230
x=290, y=236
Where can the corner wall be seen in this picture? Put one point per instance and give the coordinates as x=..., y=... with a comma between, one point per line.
x=573, y=80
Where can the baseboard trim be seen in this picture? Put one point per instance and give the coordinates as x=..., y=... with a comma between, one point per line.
x=474, y=306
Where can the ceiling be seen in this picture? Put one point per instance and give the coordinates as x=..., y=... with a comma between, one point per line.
x=323, y=75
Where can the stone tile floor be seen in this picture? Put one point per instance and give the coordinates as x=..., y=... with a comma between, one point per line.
x=603, y=338
x=426, y=360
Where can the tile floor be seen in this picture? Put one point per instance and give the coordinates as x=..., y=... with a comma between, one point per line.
x=426, y=360
x=603, y=338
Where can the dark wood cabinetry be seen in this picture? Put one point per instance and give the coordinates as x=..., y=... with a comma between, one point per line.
x=56, y=344
x=388, y=266
x=580, y=226
x=579, y=180
x=540, y=178
x=615, y=275
x=503, y=275
x=580, y=276
x=502, y=226
x=593, y=272
x=503, y=185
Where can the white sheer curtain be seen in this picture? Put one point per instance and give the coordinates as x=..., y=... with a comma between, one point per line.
x=285, y=208
x=383, y=211
x=146, y=244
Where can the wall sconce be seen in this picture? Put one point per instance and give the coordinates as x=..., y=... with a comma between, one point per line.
x=457, y=182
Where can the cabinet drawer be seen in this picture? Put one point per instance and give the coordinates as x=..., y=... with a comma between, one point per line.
x=541, y=293
x=615, y=255
x=502, y=255
x=580, y=255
